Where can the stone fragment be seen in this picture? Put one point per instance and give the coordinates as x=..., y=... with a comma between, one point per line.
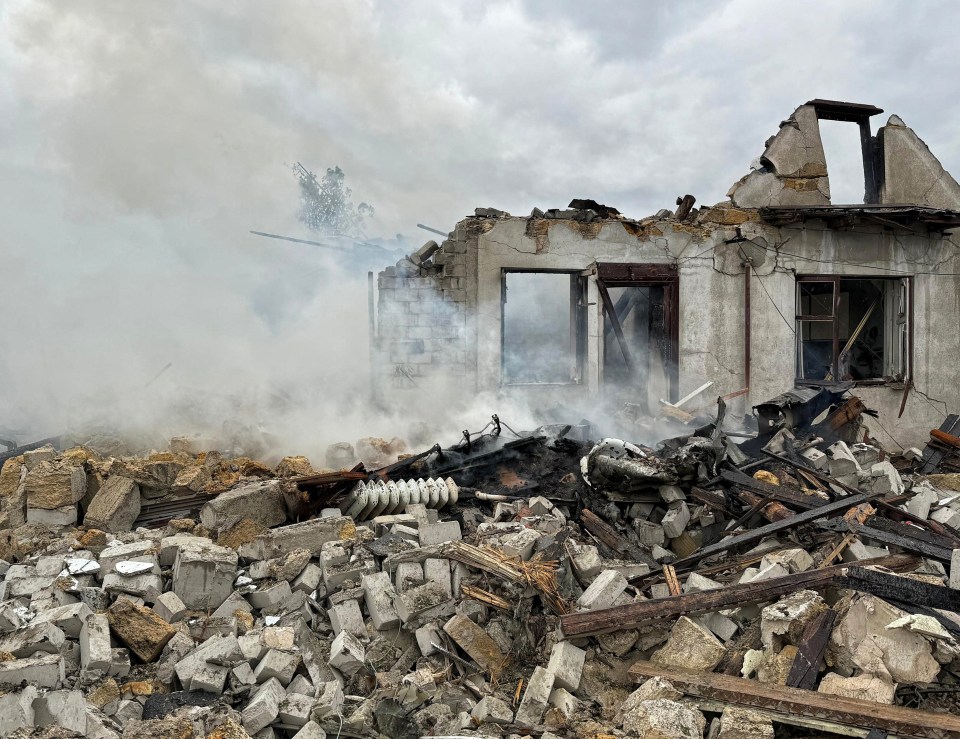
x=95, y=648
x=378, y=596
x=535, y=699
x=42, y=672
x=492, y=710
x=65, y=708
x=690, y=646
x=784, y=622
x=295, y=710
x=42, y=637
x=346, y=654
x=742, y=723
x=426, y=602
x=675, y=522
x=141, y=629
x=115, y=506
x=478, y=644
x=438, y=571
x=865, y=687
x=63, y=516
x=311, y=730
x=169, y=607
x=955, y=569
x=264, y=708
x=346, y=616
x=566, y=664
x=261, y=502
x=439, y=533
x=16, y=710
x=203, y=575
x=277, y=664
x=861, y=641
x=51, y=485
x=311, y=535
x=603, y=591
x=664, y=719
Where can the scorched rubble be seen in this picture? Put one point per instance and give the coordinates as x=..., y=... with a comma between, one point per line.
x=540, y=585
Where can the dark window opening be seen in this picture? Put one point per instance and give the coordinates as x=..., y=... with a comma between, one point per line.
x=843, y=151
x=640, y=334
x=852, y=328
x=543, y=328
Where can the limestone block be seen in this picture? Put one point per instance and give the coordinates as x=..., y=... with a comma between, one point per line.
x=346, y=654
x=52, y=485
x=95, y=649
x=861, y=641
x=865, y=687
x=203, y=575
x=478, y=644
x=264, y=708
x=492, y=710
x=66, y=708
x=783, y=622
x=378, y=595
x=663, y=719
x=566, y=664
x=536, y=698
x=140, y=628
x=115, y=506
x=261, y=502
x=16, y=710
x=603, y=591
x=675, y=522
x=690, y=646
x=42, y=672
x=742, y=723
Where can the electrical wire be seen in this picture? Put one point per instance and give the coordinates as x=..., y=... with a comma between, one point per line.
x=792, y=329
x=854, y=264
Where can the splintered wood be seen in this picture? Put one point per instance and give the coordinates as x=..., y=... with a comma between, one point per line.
x=539, y=574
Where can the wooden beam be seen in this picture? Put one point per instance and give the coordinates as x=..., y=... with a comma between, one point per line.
x=813, y=646
x=907, y=722
x=790, y=495
x=762, y=532
x=632, y=615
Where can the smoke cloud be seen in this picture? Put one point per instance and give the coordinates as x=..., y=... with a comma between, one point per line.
x=142, y=141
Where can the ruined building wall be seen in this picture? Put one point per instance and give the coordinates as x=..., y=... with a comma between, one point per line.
x=441, y=317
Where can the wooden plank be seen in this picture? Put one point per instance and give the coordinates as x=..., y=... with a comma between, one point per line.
x=813, y=645
x=785, y=494
x=767, y=506
x=762, y=532
x=909, y=543
x=715, y=500
x=903, y=589
x=632, y=615
x=908, y=722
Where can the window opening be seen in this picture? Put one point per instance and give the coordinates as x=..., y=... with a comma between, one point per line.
x=543, y=328
x=852, y=328
x=843, y=150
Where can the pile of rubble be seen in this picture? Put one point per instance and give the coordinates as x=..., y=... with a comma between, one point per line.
x=539, y=585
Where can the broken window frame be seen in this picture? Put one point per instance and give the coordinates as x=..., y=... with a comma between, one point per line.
x=900, y=341
x=647, y=275
x=578, y=323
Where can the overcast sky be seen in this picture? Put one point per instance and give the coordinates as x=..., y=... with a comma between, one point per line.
x=141, y=141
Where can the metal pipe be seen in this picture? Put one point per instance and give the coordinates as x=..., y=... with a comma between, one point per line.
x=372, y=336
x=747, y=275
x=431, y=230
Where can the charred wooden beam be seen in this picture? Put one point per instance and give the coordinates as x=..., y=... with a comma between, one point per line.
x=712, y=498
x=620, y=618
x=787, y=701
x=903, y=589
x=762, y=532
x=891, y=538
x=813, y=646
x=789, y=495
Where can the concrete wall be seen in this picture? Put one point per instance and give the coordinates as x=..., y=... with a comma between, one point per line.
x=460, y=323
x=440, y=321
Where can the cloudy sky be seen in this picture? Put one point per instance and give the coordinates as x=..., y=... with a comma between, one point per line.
x=141, y=141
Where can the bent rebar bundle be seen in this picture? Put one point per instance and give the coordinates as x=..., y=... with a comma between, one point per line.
x=371, y=499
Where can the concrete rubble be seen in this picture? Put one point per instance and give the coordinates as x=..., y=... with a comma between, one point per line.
x=263, y=609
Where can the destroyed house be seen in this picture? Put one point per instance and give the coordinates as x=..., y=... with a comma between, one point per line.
x=777, y=287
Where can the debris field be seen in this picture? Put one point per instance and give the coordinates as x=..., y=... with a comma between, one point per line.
x=796, y=581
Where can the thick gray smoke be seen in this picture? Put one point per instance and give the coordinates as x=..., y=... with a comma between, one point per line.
x=141, y=141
